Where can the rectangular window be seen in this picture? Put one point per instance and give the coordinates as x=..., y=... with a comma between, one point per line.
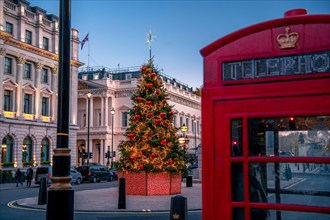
x=45, y=43
x=9, y=28
x=44, y=75
x=181, y=121
x=27, y=103
x=84, y=120
x=45, y=106
x=8, y=95
x=174, y=121
x=27, y=71
x=28, y=37
x=124, y=120
x=197, y=127
x=128, y=76
x=193, y=125
x=8, y=65
x=187, y=123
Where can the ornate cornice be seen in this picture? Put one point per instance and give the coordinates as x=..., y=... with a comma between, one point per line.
x=9, y=40
x=2, y=51
x=20, y=59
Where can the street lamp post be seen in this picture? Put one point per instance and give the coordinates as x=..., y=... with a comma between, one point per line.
x=195, y=121
x=88, y=123
x=112, y=154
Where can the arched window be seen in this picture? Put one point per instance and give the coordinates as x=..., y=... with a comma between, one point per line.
x=27, y=152
x=7, y=149
x=44, y=155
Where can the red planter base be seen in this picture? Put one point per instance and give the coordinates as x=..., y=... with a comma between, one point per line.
x=150, y=184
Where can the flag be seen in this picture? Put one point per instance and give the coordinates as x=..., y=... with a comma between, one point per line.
x=84, y=41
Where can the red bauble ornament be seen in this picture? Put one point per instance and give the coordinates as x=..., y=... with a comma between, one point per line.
x=153, y=155
x=162, y=114
x=138, y=99
x=157, y=121
x=163, y=142
x=150, y=115
x=141, y=167
x=143, y=69
x=131, y=135
x=137, y=117
x=149, y=103
x=153, y=74
x=170, y=112
x=149, y=85
x=170, y=161
x=132, y=157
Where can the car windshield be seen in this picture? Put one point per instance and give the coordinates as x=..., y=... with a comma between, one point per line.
x=42, y=170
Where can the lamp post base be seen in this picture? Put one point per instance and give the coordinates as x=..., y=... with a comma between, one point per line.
x=60, y=205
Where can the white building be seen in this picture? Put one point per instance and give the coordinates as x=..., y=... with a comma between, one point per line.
x=112, y=89
x=28, y=85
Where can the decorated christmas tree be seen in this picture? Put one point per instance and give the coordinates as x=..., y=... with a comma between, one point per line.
x=151, y=143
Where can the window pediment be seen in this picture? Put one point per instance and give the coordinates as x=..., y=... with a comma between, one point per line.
x=124, y=108
x=46, y=91
x=28, y=86
x=9, y=83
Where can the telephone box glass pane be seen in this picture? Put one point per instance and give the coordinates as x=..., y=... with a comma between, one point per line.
x=236, y=138
x=290, y=136
x=237, y=182
x=290, y=183
x=238, y=214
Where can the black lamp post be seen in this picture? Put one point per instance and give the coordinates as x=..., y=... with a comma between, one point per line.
x=112, y=114
x=195, y=121
x=88, y=123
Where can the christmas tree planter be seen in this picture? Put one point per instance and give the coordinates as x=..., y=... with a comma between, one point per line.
x=152, y=159
x=150, y=184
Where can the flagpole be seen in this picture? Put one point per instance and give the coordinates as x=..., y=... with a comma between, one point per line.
x=88, y=50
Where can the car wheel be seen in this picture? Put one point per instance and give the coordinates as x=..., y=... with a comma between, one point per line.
x=78, y=181
x=110, y=178
x=94, y=180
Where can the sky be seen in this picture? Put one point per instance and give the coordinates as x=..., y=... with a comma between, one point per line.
x=118, y=29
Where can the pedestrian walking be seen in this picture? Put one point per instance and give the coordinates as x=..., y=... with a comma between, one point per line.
x=18, y=177
x=29, y=176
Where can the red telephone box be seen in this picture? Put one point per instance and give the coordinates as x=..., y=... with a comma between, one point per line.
x=266, y=121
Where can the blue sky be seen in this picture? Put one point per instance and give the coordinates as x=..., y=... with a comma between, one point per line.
x=118, y=29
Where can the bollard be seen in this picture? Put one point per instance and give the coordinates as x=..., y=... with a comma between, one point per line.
x=189, y=181
x=122, y=194
x=42, y=198
x=179, y=209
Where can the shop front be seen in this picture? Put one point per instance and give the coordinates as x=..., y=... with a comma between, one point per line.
x=266, y=121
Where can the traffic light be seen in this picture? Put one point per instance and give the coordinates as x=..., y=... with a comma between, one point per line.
x=90, y=155
x=84, y=155
x=114, y=153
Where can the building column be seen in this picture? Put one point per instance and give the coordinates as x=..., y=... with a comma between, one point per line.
x=2, y=64
x=54, y=71
x=91, y=114
x=74, y=95
x=106, y=111
x=102, y=111
x=101, y=151
x=2, y=15
x=19, y=79
x=39, y=67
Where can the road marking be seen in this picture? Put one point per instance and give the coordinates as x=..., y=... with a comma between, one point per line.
x=289, y=186
x=12, y=204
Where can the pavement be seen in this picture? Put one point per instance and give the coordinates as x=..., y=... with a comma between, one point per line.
x=106, y=200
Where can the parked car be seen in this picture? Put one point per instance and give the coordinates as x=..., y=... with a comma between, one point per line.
x=43, y=171
x=94, y=172
x=76, y=176
x=47, y=171
x=114, y=172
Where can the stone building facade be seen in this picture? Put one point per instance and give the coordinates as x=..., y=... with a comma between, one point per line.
x=29, y=48
x=112, y=90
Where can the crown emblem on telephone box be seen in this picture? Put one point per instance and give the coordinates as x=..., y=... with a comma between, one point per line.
x=288, y=40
